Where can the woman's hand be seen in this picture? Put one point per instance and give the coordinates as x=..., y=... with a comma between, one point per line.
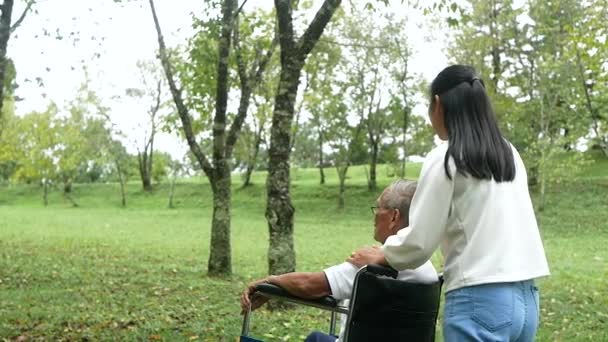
x=251, y=299
x=367, y=255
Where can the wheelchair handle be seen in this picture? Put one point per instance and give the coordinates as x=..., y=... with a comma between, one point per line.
x=382, y=270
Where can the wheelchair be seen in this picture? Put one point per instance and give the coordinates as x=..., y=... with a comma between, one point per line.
x=381, y=308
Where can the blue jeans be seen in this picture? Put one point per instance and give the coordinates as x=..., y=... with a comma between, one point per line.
x=492, y=312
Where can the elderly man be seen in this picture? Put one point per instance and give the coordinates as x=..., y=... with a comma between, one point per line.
x=390, y=216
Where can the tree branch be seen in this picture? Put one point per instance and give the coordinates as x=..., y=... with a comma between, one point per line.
x=263, y=62
x=20, y=20
x=221, y=96
x=179, y=102
x=294, y=131
x=248, y=83
x=241, y=69
x=356, y=45
x=240, y=9
x=316, y=27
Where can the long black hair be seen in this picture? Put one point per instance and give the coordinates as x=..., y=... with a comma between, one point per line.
x=474, y=139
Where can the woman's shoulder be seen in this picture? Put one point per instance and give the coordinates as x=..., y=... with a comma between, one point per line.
x=438, y=152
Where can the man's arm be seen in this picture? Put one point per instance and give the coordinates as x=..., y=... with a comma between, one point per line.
x=307, y=285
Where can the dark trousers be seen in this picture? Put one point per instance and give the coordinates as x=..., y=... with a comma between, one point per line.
x=316, y=336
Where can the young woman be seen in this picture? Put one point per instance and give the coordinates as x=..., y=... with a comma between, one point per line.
x=473, y=200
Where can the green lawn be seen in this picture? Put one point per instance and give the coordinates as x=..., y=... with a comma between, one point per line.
x=100, y=272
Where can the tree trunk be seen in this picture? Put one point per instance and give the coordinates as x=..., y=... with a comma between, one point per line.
x=496, y=61
x=342, y=170
x=67, y=185
x=150, y=159
x=254, y=157
x=371, y=184
x=67, y=191
x=604, y=146
x=279, y=209
x=5, y=34
x=144, y=170
x=403, y=166
x=71, y=200
x=248, y=172
x=321, y=173
x=533, y=175
x=220, y=249
x=542, y=167
x=172, y=191
x=405, y=124
x=252, y=162
x=121, y=180
x=45, y=192
x=541, y=205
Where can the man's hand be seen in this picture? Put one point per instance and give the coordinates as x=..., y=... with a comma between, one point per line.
x=250, y=298
x=367, y=255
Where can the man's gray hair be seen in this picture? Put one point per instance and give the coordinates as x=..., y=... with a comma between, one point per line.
x=399, y=195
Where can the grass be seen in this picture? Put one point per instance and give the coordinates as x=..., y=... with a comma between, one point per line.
x=100, y=272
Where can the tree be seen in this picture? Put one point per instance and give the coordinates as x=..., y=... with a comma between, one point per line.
x=9, y=148
x=6, y=29
x=345, y=139
x=306, y=152
x=367, y=82
x=535, y=82
x=38, y=141
x=561, y=122
x=376, y=64
x=587, y=28
x=279, y=209
x=250, y=25
x=152, y=91
x=323, y=100
x=252, y=138
x=216, y=36
x=116, y=153
x=401, y=102
x=176, y=168
x=83, y=132
x=421, y=141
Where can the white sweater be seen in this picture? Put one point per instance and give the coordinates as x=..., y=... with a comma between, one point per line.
x=487, y=230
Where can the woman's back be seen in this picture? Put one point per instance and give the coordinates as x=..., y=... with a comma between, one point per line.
x=489, y=215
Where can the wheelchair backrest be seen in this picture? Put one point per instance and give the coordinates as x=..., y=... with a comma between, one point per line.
x=386, y=309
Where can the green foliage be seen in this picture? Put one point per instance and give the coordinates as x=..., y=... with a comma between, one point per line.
x=10, y=77
x=161, y=167
x=542, y=77
x=37, y=144
x=422, y=141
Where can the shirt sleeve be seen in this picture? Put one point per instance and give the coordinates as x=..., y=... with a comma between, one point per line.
x=428, y=217
x=340, y=278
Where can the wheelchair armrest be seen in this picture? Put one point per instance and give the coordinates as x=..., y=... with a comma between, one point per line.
x=326, y=303
x=381, y=270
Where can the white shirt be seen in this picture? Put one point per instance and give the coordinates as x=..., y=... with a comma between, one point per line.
x=487, y=230
x=341, y=278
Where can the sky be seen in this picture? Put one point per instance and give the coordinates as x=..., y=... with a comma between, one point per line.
x=111, y=39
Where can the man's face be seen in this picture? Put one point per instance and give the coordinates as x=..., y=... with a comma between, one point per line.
x=384, y=222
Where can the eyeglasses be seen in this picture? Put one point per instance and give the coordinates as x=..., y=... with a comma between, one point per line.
x=375, y=209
